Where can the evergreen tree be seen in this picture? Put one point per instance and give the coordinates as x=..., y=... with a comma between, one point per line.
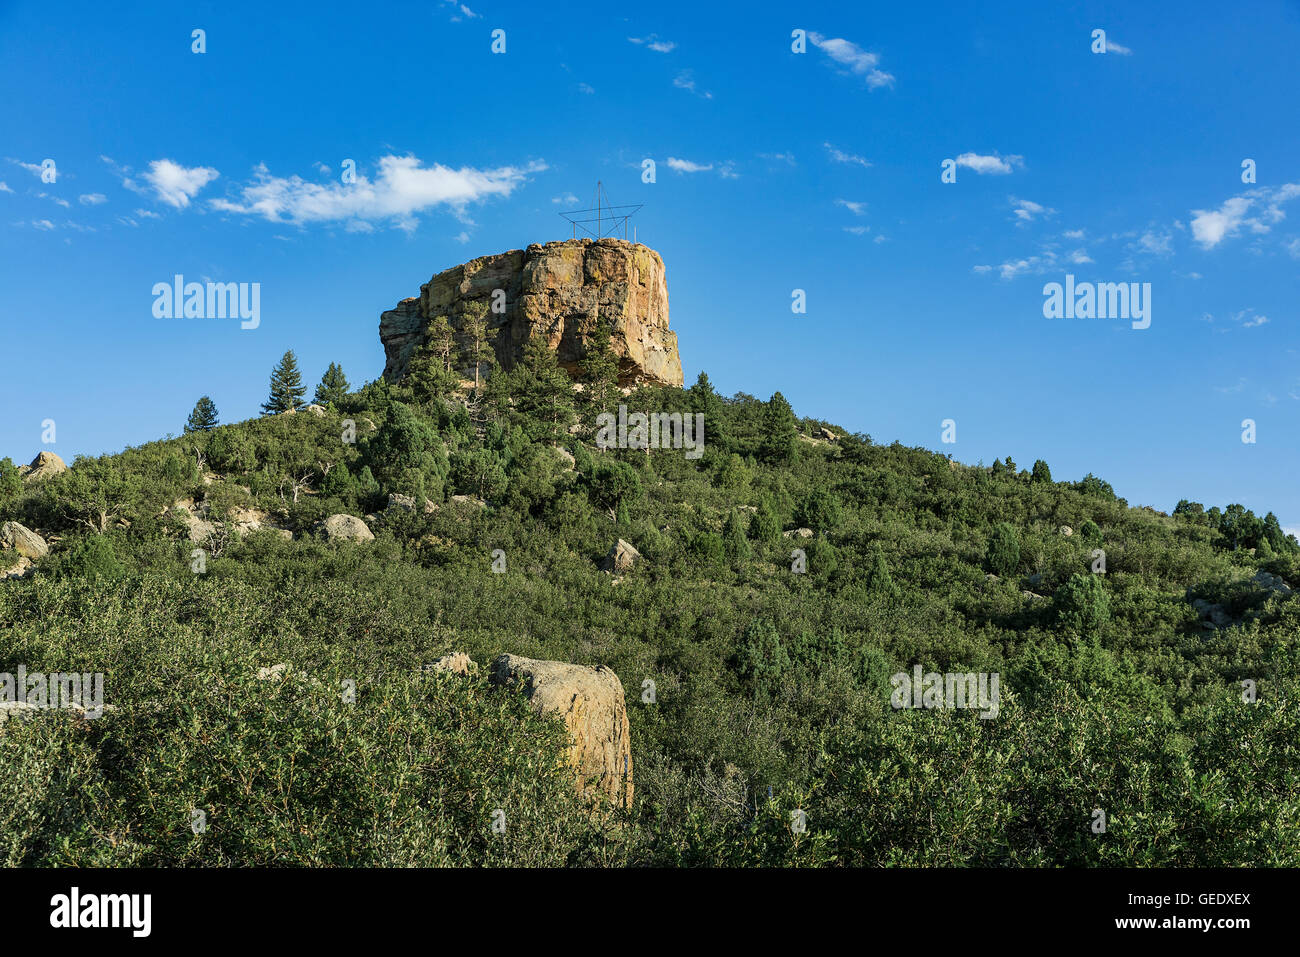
x=430, y=374
x=765, y=526
x=762, y=658
x=599, y=369
x=778, y=443
x=478, y=351
x=1041, y=472
x=708, y=403
x=537, y=390
x=1003, y=554
x=204, y=417
x=287, y=390
x=333, y=386
x=440, y=338
x=1090, y=532
x=879, y=581
x=734, y=543
x=1082, y=607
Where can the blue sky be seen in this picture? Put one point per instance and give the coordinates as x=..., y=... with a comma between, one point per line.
x=775, y=171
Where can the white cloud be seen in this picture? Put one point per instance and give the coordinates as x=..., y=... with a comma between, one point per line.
x=1255, y=210
x=686, y=81
x=839, y=156
x=175, y=184
x=686, y=166
x=652, y=42
x=1293, y=247
x=42, y=224
x=403, y=188
x=1074, y=234
x=92, y=199
x=789, y=158
x=1027, y=210
x=33, y=168
x=1156, y=244
x=586, y=88
x=1248, y=318
x=459, y=11
x=1113, y=47
x=462, y=237
x=857, y=230
x=1019, y=267
x=148, y=214
x=854, y=59
x=55, y=199
x=992, y=163
x=1080, y=257
x=568, y=199
x=856, y=208
x=4, y=188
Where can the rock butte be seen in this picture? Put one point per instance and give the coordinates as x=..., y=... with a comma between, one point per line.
x=560, y=290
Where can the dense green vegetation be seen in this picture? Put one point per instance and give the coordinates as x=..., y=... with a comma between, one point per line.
x=1114, y=695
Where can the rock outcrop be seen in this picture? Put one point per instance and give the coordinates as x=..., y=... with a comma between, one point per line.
x=23, y=540
x=560, y=290
x=621, y=557
x=592, y=704
x=45, y=465
x=345, y=528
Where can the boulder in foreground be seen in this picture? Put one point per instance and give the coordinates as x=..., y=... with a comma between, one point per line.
x=592, y=704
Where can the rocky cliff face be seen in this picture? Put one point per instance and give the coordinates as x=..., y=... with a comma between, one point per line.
x=560, y=290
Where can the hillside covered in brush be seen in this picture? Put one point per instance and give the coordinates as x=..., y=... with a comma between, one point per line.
x=492, y=512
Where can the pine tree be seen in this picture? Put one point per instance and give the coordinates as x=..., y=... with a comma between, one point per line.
x=333, y=386
x=599, y=369
x=440, y=340
x=734, y=542
x=478, y=349
x=765, y=525
x=537, y=390
x=204, y=417
x=287, y=390
x=779, y=431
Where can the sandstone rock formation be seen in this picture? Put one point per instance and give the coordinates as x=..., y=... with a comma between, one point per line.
x=45, y=465
x=593, y=707
x=622, y=556
x=406, y=503
x=345, y=528
x=560, y=290
x=26, y=542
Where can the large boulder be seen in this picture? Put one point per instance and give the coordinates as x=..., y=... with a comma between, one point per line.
x=591, y=702
x=45, y=465
x=621, y=557
x=561, y=291
x=345, y=528
x=26, y=542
